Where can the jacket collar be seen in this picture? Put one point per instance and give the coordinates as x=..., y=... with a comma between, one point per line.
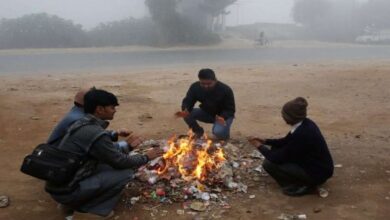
x=295, y=127
x=100, y=122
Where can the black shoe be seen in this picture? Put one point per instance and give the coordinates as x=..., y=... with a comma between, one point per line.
x=298, y=190
x=197, y=132
x=198, y=135
x=194, y=136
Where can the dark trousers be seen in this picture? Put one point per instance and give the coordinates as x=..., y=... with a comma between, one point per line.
x=99, y=193
x=288, y=174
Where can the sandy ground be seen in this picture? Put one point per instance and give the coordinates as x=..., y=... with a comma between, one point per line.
x=350, y=101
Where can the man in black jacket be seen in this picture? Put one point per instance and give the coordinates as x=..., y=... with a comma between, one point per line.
x=96, y=186
x=301, y=161
x=217, y=105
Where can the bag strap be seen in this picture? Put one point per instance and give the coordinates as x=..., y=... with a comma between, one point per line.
x=97, y=136
x=74, y=128
x=70, y=131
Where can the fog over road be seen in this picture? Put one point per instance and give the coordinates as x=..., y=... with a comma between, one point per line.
x=66, y=61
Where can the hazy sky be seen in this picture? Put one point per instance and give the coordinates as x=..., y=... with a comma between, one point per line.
x=89, y=13
x=251, y=11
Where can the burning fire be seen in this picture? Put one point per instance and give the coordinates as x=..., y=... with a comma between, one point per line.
x=192, y=158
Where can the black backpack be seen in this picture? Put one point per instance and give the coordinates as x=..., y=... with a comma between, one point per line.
x=53, y=164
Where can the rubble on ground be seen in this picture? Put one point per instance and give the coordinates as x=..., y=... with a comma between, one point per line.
x=4, y=201
x=292, y=217
x=240, y=171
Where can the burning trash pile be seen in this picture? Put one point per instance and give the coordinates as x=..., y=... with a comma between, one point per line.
x=196, y=172
x=187, y=158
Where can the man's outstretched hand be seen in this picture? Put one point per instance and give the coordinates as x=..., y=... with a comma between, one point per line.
x=123, y=132
x=255, y=141
x=154, y=153
x=134, y=140
x=220, y=120
x=182, y=114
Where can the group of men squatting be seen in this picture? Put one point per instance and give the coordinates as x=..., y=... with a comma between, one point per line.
x=299, y=162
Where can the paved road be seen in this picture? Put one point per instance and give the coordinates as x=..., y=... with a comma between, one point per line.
x=64, y=61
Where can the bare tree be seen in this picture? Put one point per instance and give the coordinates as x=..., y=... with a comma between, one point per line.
x=186, y=21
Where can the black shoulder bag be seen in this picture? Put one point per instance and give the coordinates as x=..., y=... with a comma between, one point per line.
x=51, y=163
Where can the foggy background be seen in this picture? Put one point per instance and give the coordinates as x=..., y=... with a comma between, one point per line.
x=90, y=13
x=162, y=23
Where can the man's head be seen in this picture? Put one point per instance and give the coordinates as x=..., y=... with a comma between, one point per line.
x=79, y=97
x=207, y=79
x=100, y=103
x=294, y=111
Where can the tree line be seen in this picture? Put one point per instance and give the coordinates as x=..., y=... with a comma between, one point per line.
x=172, y=22
x=49, y=31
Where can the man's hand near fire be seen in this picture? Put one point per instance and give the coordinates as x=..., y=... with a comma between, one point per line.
x=134, y=140
x=123, y=132
x=255, y=141
x=182, y=114
x=154, y=153
x=220, y=120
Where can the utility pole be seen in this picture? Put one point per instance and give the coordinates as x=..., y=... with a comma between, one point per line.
x=238, y=13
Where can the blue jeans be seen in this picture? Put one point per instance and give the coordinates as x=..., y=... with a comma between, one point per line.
x=197, y=114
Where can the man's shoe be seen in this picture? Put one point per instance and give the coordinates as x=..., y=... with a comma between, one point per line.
x=66, y=211
x=109, y=216
x=198, y=135
x=298, y=190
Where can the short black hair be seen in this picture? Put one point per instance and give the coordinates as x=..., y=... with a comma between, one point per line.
x=206, y=74
x=98, y=97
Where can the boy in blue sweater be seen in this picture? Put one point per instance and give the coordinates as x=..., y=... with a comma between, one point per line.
x=300, y=161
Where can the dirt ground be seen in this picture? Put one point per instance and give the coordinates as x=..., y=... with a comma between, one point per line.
x=350, y=101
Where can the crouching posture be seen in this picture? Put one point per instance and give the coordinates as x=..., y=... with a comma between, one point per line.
x=300, y=161
x=96, y=186
x=217, y=105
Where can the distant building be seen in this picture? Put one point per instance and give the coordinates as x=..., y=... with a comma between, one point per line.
x=374, y=37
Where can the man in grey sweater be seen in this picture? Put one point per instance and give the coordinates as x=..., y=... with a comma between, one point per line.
x=96, y=186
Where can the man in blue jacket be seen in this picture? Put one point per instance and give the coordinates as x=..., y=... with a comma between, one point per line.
x=74, y=114
x=300, y=161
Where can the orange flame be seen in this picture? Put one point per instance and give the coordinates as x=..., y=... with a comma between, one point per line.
x=192, y=161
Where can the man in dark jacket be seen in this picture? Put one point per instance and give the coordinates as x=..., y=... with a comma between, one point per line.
x=300, y=161
x=96, y=186
x=217, y=105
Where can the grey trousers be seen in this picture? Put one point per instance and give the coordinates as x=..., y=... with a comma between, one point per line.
x=99, y=193
x=288, y=174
